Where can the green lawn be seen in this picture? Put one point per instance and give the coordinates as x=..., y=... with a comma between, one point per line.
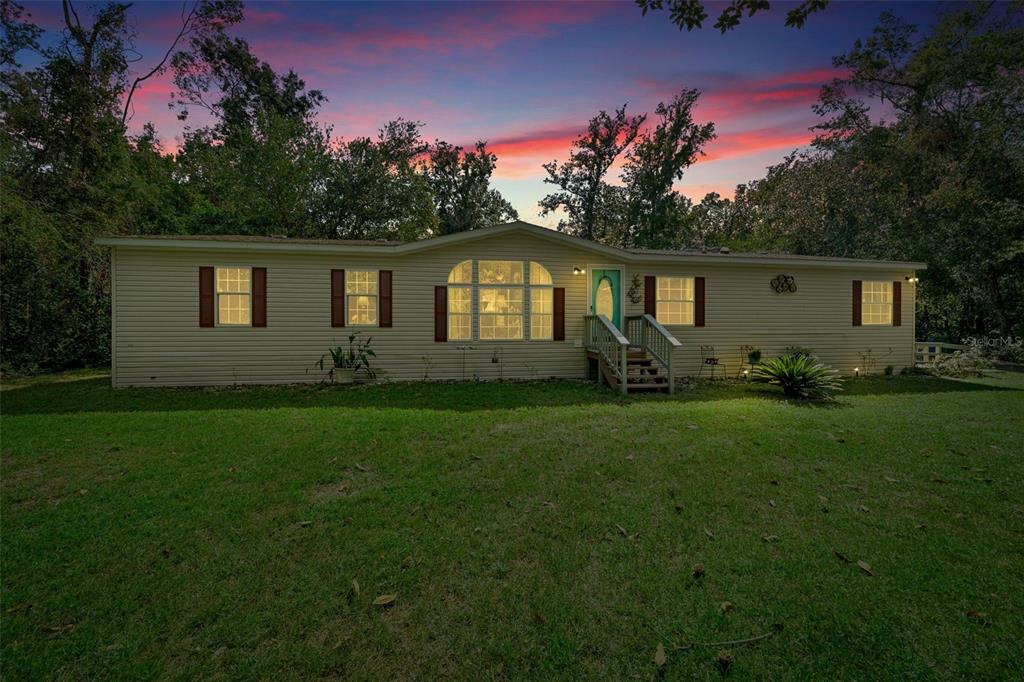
x=529, y=531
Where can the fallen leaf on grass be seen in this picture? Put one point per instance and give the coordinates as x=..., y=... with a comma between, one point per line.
x=698, y=570
x=771, y=503
x=305, y=524
x=726, y=607
x=219, y=653
x=355, y=587
x=18, y=607
x=692, y=426
x=385, y=600
x=770, y=538
x=724, y=662
x=621, y=530
x=538, y=619
x=361, y=467
x=865, y=566
x=890, y=479
x=407, y=562
x=864, y=509
x=976, y=615
x=842, y=557
x=824, y=503
x=59, y=629
x=659, y=655
x=711, y=536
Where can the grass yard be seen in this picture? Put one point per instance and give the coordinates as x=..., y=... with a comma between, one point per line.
x=527, y=531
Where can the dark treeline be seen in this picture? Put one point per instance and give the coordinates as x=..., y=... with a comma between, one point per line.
x=940, y=180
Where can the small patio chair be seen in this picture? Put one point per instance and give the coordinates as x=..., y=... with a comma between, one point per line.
x=710, y=360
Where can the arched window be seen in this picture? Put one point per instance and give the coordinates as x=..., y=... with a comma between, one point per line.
x=541, y=303
x=500, y=300
x=460, y=302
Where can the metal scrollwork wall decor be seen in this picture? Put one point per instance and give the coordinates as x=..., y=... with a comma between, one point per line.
x=783, y=284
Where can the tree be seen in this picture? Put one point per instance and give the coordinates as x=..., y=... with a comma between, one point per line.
x=592, y=207
x=691, y=14
x=942, y=181
x=460, y=183
x=68, y=174
x=656, y=161
x=202, y=22
x=378, y=192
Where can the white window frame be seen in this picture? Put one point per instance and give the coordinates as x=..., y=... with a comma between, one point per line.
x=692, y=300
x=520, y=286
x=549, y=289
x=217, y=294
x=376, y=298
x=886, y=286
x=461, y=287
x=476, y=315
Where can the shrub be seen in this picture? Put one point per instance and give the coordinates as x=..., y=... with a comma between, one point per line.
x=889, y=369
x=969, y=361
x=800, y=376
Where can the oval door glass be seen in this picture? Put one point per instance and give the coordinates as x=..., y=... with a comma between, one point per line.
x=604, y=304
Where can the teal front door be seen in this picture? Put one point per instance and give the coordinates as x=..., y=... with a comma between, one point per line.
x=605, y=295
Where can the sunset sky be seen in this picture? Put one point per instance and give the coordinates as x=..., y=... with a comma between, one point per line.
x=526, y=77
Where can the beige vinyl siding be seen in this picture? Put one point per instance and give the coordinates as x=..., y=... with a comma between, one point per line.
x=741, y=309
x=157, y=340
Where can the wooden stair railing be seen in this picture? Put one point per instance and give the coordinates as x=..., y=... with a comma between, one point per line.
x=647, y=334
x=645, y=364
x=611, y=347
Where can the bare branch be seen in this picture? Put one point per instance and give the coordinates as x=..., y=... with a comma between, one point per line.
x=186, y=27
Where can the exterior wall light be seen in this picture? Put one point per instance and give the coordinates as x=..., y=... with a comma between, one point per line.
x=577, y=270
x=856, y=371
x=912, y=278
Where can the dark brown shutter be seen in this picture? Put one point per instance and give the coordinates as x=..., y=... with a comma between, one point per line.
x=384, y=282
x=337, y=298
x=698, y=301
x=259, y=297
x=440, y=313
x=897, y=304
x=205, y=296
x=857, y=288
x=558, y=300
x=650, y=296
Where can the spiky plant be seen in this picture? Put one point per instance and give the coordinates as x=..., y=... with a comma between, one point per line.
x=800, y=376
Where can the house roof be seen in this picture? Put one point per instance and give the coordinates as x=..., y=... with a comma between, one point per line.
x=366, y=247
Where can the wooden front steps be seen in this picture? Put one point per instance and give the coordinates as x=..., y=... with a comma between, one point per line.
x=641, y=372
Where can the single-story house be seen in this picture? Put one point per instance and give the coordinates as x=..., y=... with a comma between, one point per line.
x=509, y=301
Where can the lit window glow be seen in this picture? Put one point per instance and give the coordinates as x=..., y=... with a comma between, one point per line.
x=460, y=313
x=496, y=293
x=501, y=313
x=876, y=303
x=675, y=300
x=361, y=297
x=461, y=273
x=542, y=311
x=233, y=291
x=501, y=272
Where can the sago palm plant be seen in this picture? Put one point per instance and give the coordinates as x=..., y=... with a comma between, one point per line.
x=800, y=376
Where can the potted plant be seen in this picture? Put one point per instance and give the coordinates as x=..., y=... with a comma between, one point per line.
x=754, y=357
x=345, y=362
